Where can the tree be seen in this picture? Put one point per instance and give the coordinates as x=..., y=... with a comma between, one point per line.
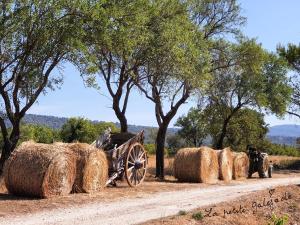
x=246, y=127
x=292, y=55
x=83, y=130
x=254, y=78
x=175, y=142
x=165, y=76
x=193, y=127
x=35, y=37
x=178, y=56
x=115, y=52
x=78, y=129
x=38, y=133
x=102, y=126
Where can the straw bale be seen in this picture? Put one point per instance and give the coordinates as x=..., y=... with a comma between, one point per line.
x=196, y=165
x=40, y=170
x=225, y=159
x=240, y=165
x=91, y=167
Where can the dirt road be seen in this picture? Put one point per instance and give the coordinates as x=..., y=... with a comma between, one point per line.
x=140, y=209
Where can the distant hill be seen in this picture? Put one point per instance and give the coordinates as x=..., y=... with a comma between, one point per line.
x=57, y=122
x=285, y=130
x=284, y=134
x=282, y=140
x=280, y=134
x=49, y=121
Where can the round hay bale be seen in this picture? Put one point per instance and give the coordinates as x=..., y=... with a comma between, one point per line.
x=240, y=165
x=196, y=165
x=225, y=159
x=40, y=170
x=91, y=167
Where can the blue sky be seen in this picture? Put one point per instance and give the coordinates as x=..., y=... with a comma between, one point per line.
x=270, y=21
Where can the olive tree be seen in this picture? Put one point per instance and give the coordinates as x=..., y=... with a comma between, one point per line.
x=114, y=51
x=254, y=78
x=35, y=38
x=178, y=59
x=291, y=54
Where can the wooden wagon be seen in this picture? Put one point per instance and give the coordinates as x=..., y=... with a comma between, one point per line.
x=126, y=156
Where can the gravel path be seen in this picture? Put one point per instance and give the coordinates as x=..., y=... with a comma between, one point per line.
x=140, y=209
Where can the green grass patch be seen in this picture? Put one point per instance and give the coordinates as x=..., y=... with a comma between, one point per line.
x=197, y=216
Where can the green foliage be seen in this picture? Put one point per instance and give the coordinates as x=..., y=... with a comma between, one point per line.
x=38, y=133
x=150, y=148
x=276, y=149
x=36, y=37
x=198, y=216
x=78, y=129
x=34, y=132
x=83, y=130
x=102, y=126
x=279, y=220
x=193, y=127
x=254, y=78
x=175, y=142
x=115, y=44
x=276, y=90
x=246, y=127
x=291, y=54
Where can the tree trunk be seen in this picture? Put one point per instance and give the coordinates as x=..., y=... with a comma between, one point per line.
x=10, y=144
x=219, y=144
x=123, y=122
x=160, y=150
x=225, y=125
x=121, y=117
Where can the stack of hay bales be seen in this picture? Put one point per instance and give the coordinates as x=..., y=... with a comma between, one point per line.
x=240, y=165
x=225, y=159
x=91, y=167
x=40, y=170
x=43, y=170
x=206, y=165
x=196, y=165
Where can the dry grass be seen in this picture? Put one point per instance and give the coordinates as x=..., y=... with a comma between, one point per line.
x=40, y=170
x=91, y=167
x=196, y=165
x=225, y=158
x=285, y=162
x=240, y=165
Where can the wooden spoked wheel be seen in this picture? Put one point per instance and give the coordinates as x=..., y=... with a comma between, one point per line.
x=135, y=165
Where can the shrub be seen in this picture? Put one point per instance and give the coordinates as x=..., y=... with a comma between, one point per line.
x=197, y=216
x=78, y=129
x=277, y=149
x=279, y=220
x=182, y=213
x=150, y=148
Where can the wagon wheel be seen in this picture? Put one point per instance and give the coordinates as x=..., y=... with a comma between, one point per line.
x=135, y=165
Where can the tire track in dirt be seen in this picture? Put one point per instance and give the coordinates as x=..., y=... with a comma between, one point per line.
x=141, y=209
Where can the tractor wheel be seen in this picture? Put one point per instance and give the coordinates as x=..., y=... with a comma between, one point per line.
x=270, y=171
x=263, y=167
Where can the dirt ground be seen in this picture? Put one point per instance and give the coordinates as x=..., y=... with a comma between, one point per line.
x=256, y=208
x=12, y=205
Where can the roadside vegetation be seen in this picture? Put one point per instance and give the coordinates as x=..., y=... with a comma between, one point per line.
x=74, y=130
